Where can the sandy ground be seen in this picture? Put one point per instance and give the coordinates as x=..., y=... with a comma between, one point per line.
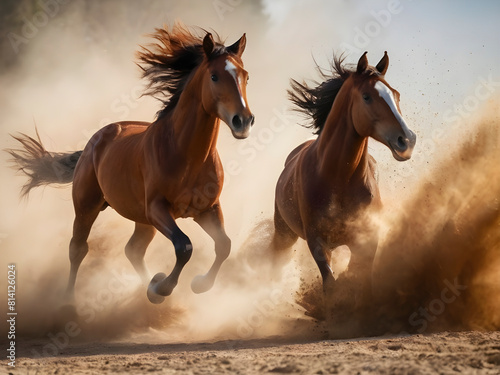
x=439, y=353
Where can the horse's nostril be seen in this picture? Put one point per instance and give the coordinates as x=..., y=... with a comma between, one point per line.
x=402, y=144
x=253, y=120
x=237, y=121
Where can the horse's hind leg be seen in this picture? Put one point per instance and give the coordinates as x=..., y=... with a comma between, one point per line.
x=78, y=247
x=88, y=201
x=136, y=248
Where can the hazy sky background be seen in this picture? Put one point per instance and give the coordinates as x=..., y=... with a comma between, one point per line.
x=76, y=72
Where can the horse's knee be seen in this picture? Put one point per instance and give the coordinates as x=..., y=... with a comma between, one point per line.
x=183, y=248
x=223, y=247
x=183, y=253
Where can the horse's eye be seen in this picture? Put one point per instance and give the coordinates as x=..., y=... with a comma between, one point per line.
x=366, y=97
x=214, y=78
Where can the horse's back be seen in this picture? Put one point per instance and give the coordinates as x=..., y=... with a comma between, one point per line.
x=121, y=130
x=115, y=137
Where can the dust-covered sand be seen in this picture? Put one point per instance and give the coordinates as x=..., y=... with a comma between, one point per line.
x=439, y=353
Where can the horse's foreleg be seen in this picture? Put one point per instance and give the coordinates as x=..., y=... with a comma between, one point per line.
x=212, y=222
x=322, y=256
x=159, y=216
x=88, y=201
x=321, y=253
x=136, y=248
x=357, y=304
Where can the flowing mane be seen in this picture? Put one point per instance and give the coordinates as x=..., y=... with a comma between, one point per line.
x=316, y=101
x=168, y=64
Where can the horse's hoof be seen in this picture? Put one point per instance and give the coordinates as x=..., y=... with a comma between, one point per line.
x=152, y=295
x=200, y=285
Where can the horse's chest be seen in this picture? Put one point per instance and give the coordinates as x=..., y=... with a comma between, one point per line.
x=338, y=213
x=346, y=202
x=198, y=195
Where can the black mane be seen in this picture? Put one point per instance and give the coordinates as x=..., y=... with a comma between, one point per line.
x=169, y=63
x=316, y=101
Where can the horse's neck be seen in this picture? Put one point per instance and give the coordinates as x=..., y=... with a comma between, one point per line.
x=189, y=128
x=342, y=153
x=195, y=131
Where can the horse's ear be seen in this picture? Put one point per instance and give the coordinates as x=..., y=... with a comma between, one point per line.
x=238, y=47
x=362, y=63
x=383, y=64
x=208, y=44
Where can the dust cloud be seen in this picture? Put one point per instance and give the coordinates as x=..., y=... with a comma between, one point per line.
x=77, y=73
x=437, y=265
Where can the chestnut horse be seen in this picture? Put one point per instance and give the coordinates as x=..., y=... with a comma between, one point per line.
x=154, y=173
x=327, y=183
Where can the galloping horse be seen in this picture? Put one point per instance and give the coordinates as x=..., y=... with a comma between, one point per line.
x=154, y=173
x=328, y=183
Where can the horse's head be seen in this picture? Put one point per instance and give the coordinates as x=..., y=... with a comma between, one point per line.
x=224, y=86
x=376, y=111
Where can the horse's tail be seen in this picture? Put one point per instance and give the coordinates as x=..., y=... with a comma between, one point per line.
x=41, y=166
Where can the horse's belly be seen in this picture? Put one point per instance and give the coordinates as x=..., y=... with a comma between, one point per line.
x=120, y=196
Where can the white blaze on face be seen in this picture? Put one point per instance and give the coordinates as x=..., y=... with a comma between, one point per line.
x=386, y=94
x=231, y=69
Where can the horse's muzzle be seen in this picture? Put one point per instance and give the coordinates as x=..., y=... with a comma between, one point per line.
x=241, y=125
x=402, y=147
